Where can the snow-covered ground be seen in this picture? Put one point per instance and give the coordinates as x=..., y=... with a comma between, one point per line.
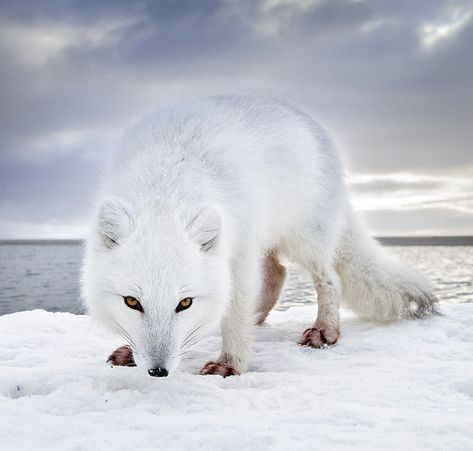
x=405, y=386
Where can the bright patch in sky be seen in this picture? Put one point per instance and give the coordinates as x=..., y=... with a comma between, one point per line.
x=433, y=33
x=408, y=191
x=35, y=44
x=43, y=230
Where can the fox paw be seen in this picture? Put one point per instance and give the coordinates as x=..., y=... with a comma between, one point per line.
x=222, y=369
x=318, y=337
x=122, y=356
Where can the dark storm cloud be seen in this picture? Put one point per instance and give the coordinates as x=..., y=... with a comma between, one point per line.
x=397, y=94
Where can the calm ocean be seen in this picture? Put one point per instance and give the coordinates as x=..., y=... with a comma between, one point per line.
x=46, y=276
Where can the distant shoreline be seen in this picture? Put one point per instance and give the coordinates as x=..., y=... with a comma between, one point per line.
x=385, y=240
x=426, y=240
x=41, y=242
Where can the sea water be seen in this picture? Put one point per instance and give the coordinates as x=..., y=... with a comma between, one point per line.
x=46, y=276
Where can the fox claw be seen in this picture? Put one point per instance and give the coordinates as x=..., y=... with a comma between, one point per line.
x=318, y=337
x=222, y=369
x=122, y=356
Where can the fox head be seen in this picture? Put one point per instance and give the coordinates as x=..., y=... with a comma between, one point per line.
x=156, y=278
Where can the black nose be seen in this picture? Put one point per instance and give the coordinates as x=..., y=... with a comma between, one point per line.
x=158, y=372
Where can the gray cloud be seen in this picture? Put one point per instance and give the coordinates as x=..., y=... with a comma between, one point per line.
x=376, y=186
x=392, y=80
x=436, y=221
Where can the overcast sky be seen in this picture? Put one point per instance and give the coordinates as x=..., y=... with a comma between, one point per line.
x=392, y=80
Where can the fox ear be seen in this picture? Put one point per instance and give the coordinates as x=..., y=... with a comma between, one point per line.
x=114, y=222
x=204, y=228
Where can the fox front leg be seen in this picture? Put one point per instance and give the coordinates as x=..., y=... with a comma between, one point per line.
x=238, y=322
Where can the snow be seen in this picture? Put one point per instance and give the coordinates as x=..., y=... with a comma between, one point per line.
x=408, y=385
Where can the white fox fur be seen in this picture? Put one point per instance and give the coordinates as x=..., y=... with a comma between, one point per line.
x=197, y=198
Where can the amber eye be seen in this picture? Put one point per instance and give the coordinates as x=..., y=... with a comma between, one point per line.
x=133, y=303
x=184, y=304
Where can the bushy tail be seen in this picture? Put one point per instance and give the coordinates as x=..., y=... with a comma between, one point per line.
x=375, y=285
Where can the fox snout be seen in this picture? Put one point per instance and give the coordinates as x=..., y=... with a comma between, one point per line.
x=158, y=372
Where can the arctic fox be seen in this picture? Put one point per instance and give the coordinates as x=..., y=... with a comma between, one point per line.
x=200, y=202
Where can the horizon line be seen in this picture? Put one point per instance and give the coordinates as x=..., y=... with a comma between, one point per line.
x=427, y=240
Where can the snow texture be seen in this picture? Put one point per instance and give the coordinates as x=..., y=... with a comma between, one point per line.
x=408, y=385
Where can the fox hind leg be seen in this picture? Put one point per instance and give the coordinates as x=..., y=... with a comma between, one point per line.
x=326, y=328
x=274, y=275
